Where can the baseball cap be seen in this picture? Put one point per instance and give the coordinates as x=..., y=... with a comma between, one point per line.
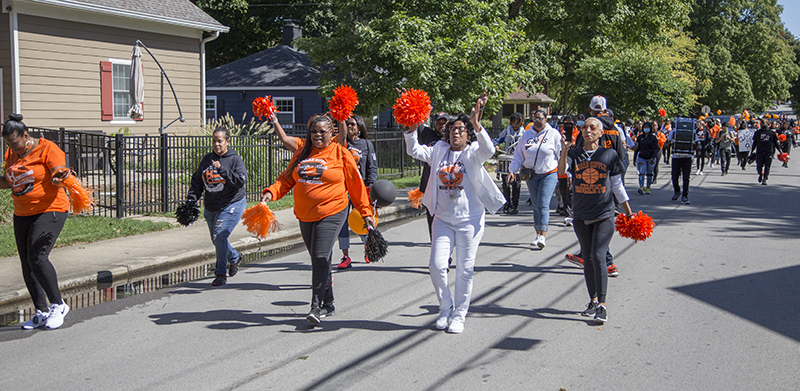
x=440, y=115
x=598, y=103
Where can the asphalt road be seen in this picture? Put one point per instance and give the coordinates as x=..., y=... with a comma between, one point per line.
x=710, y=302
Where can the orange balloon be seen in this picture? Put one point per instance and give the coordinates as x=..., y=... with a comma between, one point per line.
x=356, y=222
x=719, y=112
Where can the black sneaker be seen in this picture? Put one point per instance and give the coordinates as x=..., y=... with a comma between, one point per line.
x=314, y=315
x=327, y=310
x=514, y=210
x=590, y=310
x=764, y=182
x=601, y=315
x=685, y=200
x=759, y=178
x=234, y=267
x=220, y=280
x=676, y=196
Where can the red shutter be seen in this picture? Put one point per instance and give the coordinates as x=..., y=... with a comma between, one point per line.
x=106, y=91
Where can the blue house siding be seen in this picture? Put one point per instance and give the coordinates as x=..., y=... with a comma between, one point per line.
x=238, y=102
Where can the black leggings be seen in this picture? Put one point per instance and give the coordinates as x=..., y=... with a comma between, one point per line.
x=319, y=237
x=35, y=237
x=566, y=195
x=594, y=239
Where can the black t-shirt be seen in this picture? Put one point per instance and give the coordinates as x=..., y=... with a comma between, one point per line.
x=611, y=138
x=592, y=198
x=426, y=136
x=765, y=142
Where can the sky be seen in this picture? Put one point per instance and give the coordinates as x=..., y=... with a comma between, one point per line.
x=791, y=15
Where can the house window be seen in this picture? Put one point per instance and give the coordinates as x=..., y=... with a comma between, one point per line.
x=211, y=108
x=286, y=108
x=121, y=76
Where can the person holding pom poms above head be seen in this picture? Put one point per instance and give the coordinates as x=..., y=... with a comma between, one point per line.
x=322, y=174
x=221, y=176
x=34, y=168
x=457, y=193
x=597, y=179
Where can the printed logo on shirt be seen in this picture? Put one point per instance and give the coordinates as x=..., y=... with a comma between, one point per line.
x=764, y=137
x=590, y=172
x=539, y=139
x=21, y=179
x=451, y=176
x=212, y=181
x=356, y=153
x=310, y=171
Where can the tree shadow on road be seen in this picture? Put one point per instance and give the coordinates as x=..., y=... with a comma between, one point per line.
x=741, y=209
x=766, y=298
x=242, y=319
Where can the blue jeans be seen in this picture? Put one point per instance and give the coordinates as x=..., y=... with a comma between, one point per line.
x=645, y=168
x=220, y=225
x=541, y=187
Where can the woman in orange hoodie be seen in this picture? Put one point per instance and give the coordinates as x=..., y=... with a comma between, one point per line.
x=322, y=174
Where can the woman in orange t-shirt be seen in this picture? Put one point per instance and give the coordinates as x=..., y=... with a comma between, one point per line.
x=40, y=210
x=322, y=175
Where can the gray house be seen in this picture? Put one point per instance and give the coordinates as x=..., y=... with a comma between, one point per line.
x=282, y=72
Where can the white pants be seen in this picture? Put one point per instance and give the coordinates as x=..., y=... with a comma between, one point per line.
x=465, y=236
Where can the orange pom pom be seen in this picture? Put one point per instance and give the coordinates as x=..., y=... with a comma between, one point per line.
x=784, y=157
x=260, y=221
x=732, y=121
x=343, y=102
x=415, y=198
x=264, y=107
x=81, y=198
x=412, y=108
x=781, y=137
x=662, y=112
x=640, y=227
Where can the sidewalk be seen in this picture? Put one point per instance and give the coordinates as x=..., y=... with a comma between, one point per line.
x=122, y=258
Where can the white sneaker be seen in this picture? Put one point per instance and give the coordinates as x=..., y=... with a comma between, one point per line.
x=698, y=172
x=541, y=242
x=443, y=319
x=535, y=242
x=57, y=314
x=568, y=221
x=37, y=320
x=456, y=326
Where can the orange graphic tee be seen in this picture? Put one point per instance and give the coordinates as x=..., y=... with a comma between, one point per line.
x=31, y=189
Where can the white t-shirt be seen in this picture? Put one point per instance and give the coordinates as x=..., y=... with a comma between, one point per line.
x=457, y=199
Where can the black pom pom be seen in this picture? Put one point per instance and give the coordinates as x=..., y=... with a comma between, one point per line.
x=187, y=213
x=376, y=247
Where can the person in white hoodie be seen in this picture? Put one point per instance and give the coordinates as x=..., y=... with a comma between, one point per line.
x=538, y=152
x=457, y=194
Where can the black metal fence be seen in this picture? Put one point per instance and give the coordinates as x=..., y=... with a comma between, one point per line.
x=152, y=174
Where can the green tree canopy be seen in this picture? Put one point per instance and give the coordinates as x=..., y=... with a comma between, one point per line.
x=377, y=46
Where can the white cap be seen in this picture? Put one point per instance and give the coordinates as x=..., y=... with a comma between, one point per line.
x=598, y=103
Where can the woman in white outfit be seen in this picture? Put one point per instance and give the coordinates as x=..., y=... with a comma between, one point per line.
x=458, y=195
x=539, y=150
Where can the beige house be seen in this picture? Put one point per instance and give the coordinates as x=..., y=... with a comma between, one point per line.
x=66, y=63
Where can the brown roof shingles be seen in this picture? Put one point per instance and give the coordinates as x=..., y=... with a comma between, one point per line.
x=179, y=10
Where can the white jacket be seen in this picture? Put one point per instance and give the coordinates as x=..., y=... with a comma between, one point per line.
x=537, y=150
x=474, y=155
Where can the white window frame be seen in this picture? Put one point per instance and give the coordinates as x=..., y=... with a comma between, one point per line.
x=205, y=107
x=119, y=120
x=275, y=99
